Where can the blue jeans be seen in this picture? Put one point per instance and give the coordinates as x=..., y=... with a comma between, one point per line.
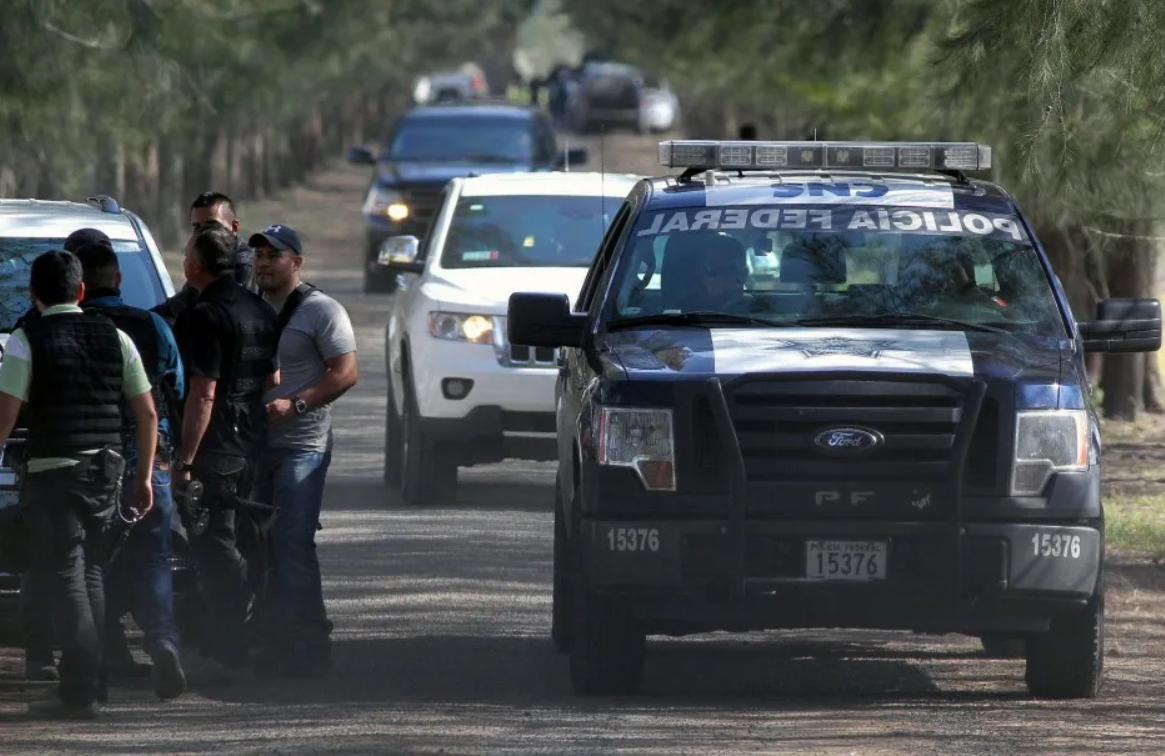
x=140, y=581
x=293, y=602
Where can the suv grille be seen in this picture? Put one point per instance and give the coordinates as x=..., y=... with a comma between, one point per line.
x=524, y=356
x=776, y=424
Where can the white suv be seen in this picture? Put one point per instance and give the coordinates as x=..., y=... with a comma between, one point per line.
x=458, y=393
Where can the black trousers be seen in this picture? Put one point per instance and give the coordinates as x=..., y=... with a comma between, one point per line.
x=70, y=512
x=229, y=559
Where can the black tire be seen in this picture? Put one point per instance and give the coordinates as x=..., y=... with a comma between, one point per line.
x=1067, y=661
x=429, y=474
x=999, y=646
x=393, y=447
x=608, y=647
x=560, y=601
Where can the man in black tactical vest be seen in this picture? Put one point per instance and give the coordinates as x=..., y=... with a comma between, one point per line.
x=35, y=608
x=229, y=340
x=83, y=367
x=139, y=580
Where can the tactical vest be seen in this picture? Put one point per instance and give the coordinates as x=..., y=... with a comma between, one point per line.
x=142, y=330
x=238, y=401
x=75, y=395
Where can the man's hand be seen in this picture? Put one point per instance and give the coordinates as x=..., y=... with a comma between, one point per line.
x=143, y=496
x=279, y=410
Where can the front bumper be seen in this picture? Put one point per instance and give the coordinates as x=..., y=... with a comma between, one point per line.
x=491, y=434
x=518, y=389
x=1004, y=581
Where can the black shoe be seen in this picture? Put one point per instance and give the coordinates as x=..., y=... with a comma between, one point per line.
x=41, y=670
x=169, y=678
x=54, y=707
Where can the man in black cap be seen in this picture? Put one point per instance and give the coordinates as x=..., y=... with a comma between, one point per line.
x=317, y=365
x=83, y=368
x=228, y=341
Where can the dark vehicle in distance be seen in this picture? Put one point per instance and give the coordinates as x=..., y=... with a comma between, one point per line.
x=430, y=145
x=896, y=433
x=27, y=229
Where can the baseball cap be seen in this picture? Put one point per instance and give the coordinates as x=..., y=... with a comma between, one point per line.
x=277, y=236
x=83, y=236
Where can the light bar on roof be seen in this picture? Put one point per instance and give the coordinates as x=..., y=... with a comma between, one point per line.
x=711, y=155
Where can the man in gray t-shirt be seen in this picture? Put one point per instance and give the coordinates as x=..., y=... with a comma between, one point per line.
x=317, y=364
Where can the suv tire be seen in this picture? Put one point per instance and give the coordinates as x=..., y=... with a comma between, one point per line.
x=428, y=473
x=560, y=601
x=608, y=647
x=393, y=442
x=1067, y=661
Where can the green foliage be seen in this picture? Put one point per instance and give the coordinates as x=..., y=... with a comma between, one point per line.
x=1068, y=92
x=76, y=73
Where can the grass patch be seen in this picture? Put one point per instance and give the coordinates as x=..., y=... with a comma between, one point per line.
x=1135, y=525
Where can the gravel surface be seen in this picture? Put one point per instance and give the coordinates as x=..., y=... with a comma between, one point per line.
x=442, y=621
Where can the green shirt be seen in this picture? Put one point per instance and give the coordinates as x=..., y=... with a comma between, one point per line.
x=16, y=375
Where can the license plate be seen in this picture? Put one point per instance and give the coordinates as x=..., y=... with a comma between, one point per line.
x=845, y=560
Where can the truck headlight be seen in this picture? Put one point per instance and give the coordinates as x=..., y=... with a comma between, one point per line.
x=1046, y=442
x=641, y=439
x=460, y=326
x=386, y=202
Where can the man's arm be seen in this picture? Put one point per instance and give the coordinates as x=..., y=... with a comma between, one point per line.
x=343, y=373
x=273, y=380
x=196, y=417
x=9, y=410
x=146, y=416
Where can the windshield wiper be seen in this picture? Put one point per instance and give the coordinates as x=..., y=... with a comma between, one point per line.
x=900, y=318
x=488, y=159
x=699, y=318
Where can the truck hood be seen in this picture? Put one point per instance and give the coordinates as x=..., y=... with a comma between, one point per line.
x=391, y=175
x=488, y=290
x=659, y=352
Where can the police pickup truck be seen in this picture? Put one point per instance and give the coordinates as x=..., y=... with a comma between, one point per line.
x=892, y=429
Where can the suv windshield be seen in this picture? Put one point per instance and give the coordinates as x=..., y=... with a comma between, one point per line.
x=531, y=231
x=469, y=140
x=140, y=285
x=836, y=264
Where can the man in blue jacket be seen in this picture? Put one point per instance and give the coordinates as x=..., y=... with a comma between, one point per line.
x=140, y=581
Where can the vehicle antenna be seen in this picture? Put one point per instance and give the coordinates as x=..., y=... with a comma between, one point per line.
x=566, y=156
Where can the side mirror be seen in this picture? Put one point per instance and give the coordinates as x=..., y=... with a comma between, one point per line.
x=400, y=253
x=361, y=156
x=573, y=157
x=544, y=320
x=1123, y=325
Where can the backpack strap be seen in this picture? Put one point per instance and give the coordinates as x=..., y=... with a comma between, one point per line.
x=294, y=300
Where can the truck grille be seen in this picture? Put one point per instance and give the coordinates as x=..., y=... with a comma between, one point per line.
x=423, y=202
x=776, y=424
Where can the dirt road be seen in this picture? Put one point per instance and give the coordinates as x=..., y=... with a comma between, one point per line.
x=442, y=618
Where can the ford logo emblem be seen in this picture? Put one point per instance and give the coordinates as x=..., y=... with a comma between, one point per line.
x=848, y=441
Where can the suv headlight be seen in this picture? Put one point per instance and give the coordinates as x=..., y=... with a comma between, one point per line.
x=1047, y=442
x=461, y=326
x=387, y=202
x=641, y=439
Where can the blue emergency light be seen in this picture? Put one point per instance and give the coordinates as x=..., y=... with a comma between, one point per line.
x=713, y=155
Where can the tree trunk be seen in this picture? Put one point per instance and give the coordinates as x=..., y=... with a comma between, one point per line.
x=1130, y=264
x=1154, y=392
x=165, y=225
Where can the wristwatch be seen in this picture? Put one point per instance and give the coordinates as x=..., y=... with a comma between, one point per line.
x=180, y=466
x=299, y=404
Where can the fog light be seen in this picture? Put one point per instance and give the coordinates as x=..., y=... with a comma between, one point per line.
x=456, y=388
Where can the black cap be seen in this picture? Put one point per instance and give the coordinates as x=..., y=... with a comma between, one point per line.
x=83, y=236
x=279, y=237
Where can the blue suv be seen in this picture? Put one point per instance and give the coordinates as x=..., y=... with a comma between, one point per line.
x=430, y=145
